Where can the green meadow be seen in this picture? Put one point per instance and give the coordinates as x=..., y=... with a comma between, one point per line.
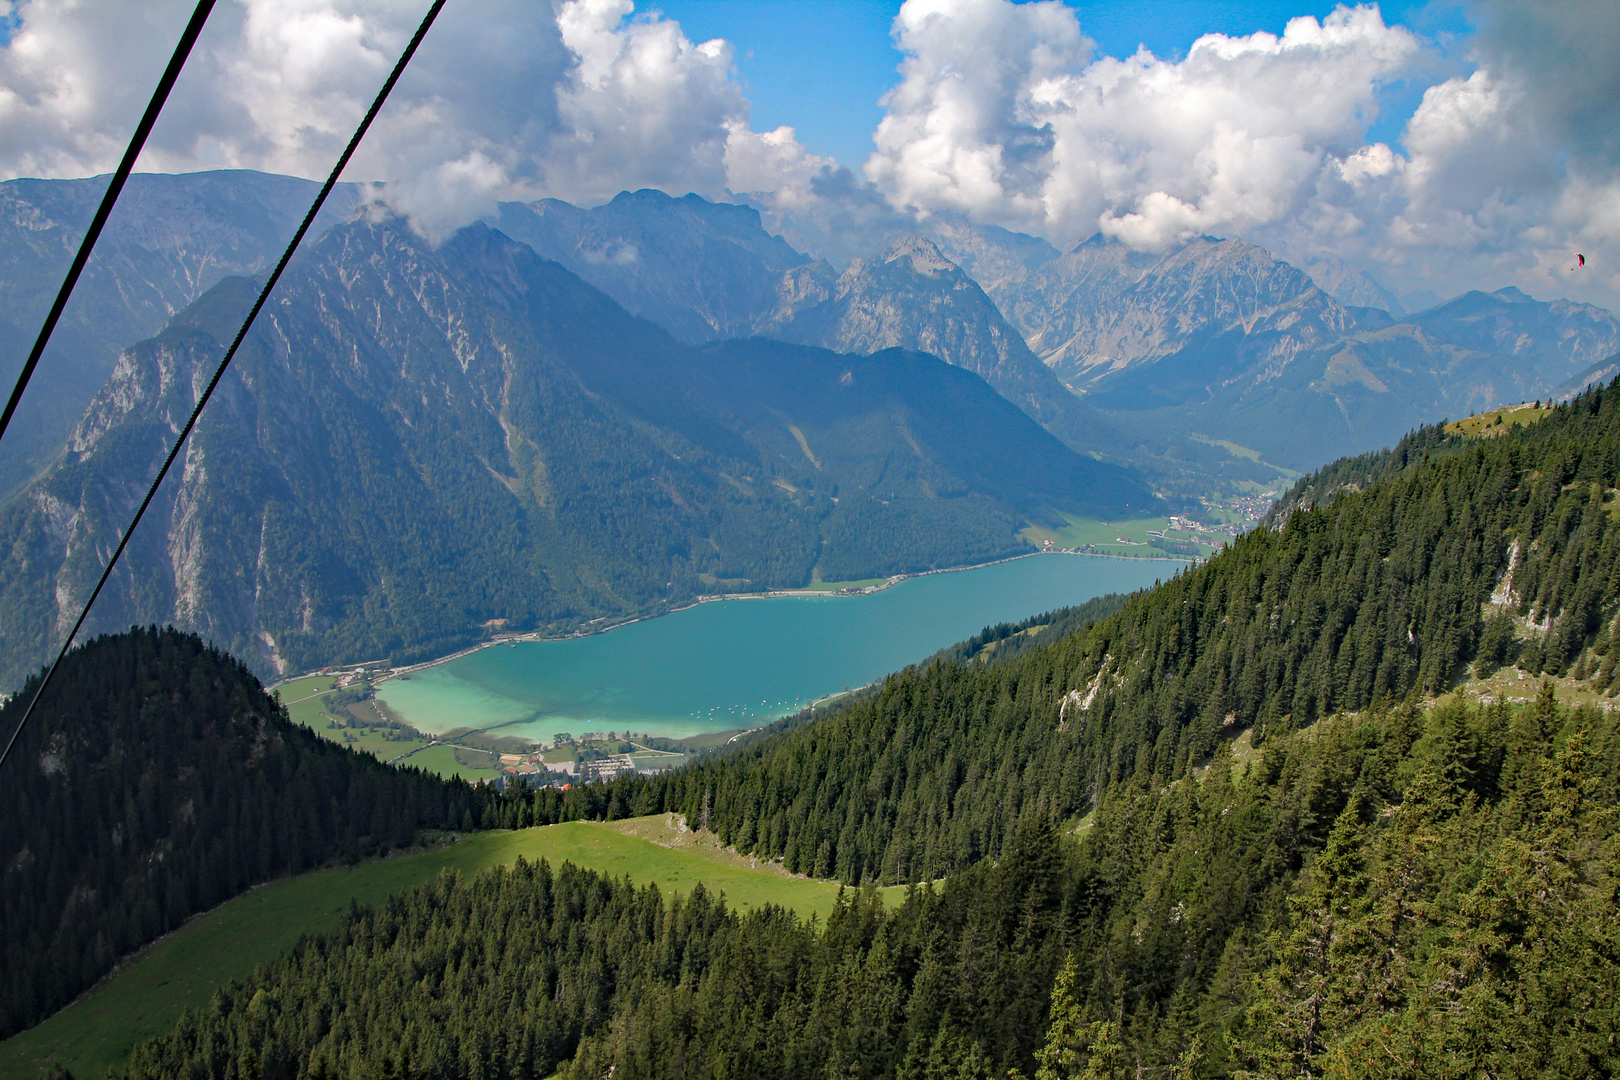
x=146, y=996
x=1126, y=538
x=817, y=585
x=307, y=704
x=1498, y=421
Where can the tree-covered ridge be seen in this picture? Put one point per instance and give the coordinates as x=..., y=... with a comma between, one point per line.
x=1354, y=473
x=1397, y=894
x=1401, y=893
x=157, y=780
x=1350, y=603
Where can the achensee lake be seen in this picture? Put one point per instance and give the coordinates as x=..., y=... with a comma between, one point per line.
x=740, y=663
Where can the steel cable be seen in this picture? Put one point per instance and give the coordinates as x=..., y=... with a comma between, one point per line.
x=136, y=142
x=264, y=294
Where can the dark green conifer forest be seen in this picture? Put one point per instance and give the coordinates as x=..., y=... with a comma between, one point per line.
x=156, y=781
x=1399, y=893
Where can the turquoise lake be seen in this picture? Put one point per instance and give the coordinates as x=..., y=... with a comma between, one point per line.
x=739, y=663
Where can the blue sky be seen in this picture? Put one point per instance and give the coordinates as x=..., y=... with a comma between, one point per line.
x=821, y=66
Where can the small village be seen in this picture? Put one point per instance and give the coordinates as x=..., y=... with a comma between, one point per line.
x=561, y=762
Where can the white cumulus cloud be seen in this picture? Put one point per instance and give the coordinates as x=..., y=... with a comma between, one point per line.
x=1004, y=113
x=506, y=99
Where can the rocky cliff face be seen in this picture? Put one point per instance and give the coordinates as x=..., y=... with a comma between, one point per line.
x=913, y=297
x=1101, y=308
x=169, y=240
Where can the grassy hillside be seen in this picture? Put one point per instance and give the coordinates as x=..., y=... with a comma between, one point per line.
x=183, y=970
x=1498, y=421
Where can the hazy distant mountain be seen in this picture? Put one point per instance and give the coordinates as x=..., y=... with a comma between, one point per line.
x=416, y=441
x=1366, y=389
x=1349, y=286
x=1101, y=308
x=703, y=271
x=912, y=297
x=1549, y=339
x=1600, y=373
x=998, y=259
x=169, y=239
x=1221, y=339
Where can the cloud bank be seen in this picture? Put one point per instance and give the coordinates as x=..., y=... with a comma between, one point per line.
x=1001, y=113
x=506, y=99
x=1004, y=114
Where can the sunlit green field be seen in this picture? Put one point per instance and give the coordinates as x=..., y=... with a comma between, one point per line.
x=1496, y=421
x=146, y=998
x=1128, y=538
x=833, y=586
x=441, y=759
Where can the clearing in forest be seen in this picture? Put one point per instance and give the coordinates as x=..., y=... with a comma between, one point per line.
x=145, y=997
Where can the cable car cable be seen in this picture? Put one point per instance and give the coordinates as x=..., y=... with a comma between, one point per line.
x=264, y=294
x=136, y=142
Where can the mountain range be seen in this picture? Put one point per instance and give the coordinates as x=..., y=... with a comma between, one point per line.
x=172, y=238
x=566, y=415
x=418, y=443
x=1215, y=339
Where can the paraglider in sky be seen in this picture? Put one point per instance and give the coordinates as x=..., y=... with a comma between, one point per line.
x=1580, y=261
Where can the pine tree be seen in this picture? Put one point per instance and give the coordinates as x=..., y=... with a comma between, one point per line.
x=1075, y=1049
x=1300, y=1000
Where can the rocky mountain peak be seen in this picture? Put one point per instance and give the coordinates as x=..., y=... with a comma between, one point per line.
x=923, y=257
x=702, y=270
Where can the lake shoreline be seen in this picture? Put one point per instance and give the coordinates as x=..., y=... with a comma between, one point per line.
x=731, y=667
x=538, y=636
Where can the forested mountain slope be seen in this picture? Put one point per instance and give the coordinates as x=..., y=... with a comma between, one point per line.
x=1358, y=881
x=418, y=441
x=1505, y=545
x=157, y=780
x=1391, y=894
